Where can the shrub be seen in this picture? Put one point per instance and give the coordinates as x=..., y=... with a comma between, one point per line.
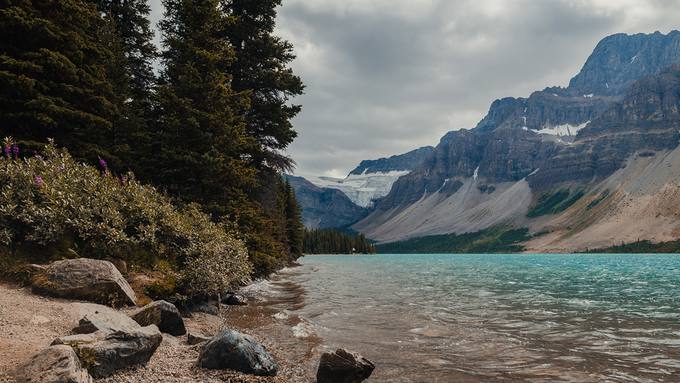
x=54, y=207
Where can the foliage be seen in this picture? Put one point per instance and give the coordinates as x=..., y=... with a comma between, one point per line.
x=492, y=240
x=552, y=203
x=54, y=74
x=599, y=199
x=329, y=241
x=53, y=207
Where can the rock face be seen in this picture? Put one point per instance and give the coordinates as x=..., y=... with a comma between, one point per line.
x=324, y=208
x=342, y=366
x=106, y=341
x=162, y=314
x=235, y=351
x=55, y=364
x=406, y=161
x=87, y=279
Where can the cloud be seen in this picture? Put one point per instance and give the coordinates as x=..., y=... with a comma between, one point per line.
x=387, y=76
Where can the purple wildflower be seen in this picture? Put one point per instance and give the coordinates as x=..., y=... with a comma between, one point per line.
x=39, y=181
x=102, y=163
x=8, y=151
x=15, y=150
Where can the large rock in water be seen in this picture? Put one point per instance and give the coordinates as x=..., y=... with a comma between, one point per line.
x=55, y=364
x=106, y=341
x=164, y=315
x=342, y=366
x=87, y=279
x=235, y=351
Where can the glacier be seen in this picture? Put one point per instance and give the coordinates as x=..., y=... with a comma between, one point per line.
x=362, y=189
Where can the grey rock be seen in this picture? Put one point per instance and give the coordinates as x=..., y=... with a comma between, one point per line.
x=107, y=341
x=236, y=351
x=55, y=364
x=88, y=279
x=164, y=315
x=195, y=338
x=343, y=366
x=234, y=299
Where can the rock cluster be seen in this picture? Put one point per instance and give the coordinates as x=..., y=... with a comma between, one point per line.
x=342, y=366
x=235, y=351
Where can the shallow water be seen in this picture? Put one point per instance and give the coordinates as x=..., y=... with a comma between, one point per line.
x=494, y=318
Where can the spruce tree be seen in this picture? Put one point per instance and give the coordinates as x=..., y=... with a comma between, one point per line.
x=200, y=140
x=133, y=79
x=54, y=78
x=262, y=69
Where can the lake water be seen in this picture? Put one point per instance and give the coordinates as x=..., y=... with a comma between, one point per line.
x=495, y=318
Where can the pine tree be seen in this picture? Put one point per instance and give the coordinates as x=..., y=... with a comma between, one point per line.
x=295, y=229
x=261, y=68
x=54, y=78
x=133, y=79
x=200, y=140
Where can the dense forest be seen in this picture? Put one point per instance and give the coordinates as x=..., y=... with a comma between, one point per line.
x=497, y=239
x=329, y=241
x=204, y=119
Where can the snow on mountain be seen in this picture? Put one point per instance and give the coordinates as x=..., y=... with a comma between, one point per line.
x=363, y=188
x=562, y=130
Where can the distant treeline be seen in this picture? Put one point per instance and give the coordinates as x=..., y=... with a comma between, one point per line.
x=640, y=247
x=492, y=240
x=328, y=241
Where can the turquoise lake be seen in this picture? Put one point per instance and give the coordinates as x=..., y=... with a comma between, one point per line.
x=497, y=318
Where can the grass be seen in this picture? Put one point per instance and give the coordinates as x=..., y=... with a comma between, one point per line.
x=553, y=203
x=493, y=240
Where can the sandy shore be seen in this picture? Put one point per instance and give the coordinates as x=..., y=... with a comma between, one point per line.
x=29, y=323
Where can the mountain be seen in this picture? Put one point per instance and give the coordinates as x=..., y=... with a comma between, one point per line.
x=324, y=208
x=564, y=162
x=373, y=179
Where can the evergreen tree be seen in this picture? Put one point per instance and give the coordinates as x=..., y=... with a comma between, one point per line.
x=200, y=140
x=295, y=229
x=54, y=77
x=132, y=77
x=261, y=68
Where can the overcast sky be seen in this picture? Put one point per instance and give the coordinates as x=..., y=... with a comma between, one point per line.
x=387, y=76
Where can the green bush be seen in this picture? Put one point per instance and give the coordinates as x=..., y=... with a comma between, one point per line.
x=54, y=207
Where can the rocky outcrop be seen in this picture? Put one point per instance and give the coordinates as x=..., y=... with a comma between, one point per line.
x=162, y=314
x=342, y=366
x=55, y=364
x=324, y=208
x=235, y=351
x=107, y=341
x=87, y=279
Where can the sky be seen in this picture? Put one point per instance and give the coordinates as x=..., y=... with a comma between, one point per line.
x=387, y=76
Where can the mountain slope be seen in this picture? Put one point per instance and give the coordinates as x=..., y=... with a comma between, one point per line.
x=495, y=173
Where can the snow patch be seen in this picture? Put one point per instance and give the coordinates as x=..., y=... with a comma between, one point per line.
x=562, y=130
x=364, y=188
x=476, y=174
x=632, y=60
x=588, y=95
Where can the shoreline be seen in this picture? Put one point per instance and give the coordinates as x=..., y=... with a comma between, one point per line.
x=29, y=323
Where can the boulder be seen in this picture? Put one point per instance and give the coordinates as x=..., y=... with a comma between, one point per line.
x=194, y=338
x=235, y=351
x=234, y=299
x=86, y=279
x=55, y=364
x=164, y=315
x=343, y=366
x=106, y=341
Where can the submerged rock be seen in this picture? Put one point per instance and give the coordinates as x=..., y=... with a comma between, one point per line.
x=87, y=279
x=55, y=364
x=343, y=366
x=234, y=299
x=106, y=341
x=164, y=315
x=235, y=351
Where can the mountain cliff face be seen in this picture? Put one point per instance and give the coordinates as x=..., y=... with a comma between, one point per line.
x=557, y=142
